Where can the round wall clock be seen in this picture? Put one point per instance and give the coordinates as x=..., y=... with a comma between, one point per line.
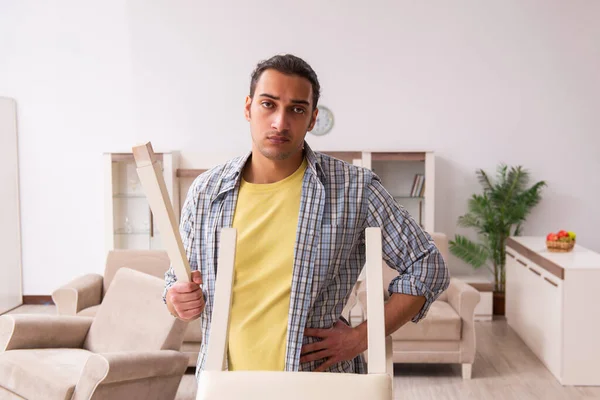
x=324, y=121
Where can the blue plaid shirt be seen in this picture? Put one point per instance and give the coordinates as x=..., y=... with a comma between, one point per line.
x=338, y=202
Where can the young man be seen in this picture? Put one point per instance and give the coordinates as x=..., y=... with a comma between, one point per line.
x=301, y=219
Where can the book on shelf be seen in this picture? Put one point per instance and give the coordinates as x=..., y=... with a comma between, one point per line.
x=412, y=190
x=418, y=187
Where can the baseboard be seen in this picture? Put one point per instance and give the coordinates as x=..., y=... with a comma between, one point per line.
x=38, y=300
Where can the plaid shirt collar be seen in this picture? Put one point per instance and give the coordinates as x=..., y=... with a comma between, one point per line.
x=233, y=175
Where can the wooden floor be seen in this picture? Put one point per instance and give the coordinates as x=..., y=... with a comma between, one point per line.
x=504, y=369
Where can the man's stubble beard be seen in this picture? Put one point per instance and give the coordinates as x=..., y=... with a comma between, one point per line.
x=276, y=155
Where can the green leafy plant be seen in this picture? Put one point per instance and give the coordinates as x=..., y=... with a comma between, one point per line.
x=496, y=214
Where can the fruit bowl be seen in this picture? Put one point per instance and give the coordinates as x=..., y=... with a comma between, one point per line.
x=560, y=242
x=559, y=247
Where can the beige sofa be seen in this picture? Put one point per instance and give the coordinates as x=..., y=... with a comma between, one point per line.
x=129, y=350
x=446, y=334
x=83, y=295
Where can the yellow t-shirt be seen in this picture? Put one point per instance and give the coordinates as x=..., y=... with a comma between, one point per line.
x=266, y=218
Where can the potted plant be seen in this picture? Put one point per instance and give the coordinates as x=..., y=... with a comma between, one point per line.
x=495, y=214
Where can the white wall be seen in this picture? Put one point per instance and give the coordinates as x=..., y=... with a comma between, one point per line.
x=477, y=82
x=68, y=65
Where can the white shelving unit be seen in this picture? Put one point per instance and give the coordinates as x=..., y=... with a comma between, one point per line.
x=397, y=170
x=129, y=223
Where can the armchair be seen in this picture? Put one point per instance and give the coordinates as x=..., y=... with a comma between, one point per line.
x=83, y=295
x=124, y=352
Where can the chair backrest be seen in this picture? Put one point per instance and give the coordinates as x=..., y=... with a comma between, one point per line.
x=441, y=242
x=133, y=317
x=216, y=384
x=152, y=262
x=217, y=346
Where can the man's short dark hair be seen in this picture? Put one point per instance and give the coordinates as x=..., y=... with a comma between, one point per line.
x=290, y=65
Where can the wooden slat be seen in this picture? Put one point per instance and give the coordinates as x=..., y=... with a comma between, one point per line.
x=548, y=265
x=37, y=300
x=376, y=340
x=189, y=173
x=398, y=156
x=347, y=156
x=153, y=183
x=216, y=353
x=128, y=157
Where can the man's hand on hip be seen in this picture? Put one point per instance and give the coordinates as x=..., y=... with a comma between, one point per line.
x=186, y=299
x=338, y=343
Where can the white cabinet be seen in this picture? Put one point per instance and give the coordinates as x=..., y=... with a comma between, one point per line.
x=11, y=293
x=550, y=295
x=129, y=223
x=550, y=304
x=541, y=322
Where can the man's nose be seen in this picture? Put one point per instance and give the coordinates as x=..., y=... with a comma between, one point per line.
x=280, y=121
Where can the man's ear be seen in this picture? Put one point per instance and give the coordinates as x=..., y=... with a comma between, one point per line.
x=313, y=119
x=247, y=112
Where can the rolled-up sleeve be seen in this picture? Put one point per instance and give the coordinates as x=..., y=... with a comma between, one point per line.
x=186, y=230
x=407, y=248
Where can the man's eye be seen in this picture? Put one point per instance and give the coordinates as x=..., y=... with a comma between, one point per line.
x=299, y=110
x=267, y=104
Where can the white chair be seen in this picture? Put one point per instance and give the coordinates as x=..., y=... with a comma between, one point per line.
x=215, y=383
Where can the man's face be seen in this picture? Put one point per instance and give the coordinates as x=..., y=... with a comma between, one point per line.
x=280, y=114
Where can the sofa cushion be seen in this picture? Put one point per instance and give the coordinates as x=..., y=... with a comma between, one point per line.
x=88, y=312
x=133, y=317
x=44, y=373
x=193, y=332
x=441, y=323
